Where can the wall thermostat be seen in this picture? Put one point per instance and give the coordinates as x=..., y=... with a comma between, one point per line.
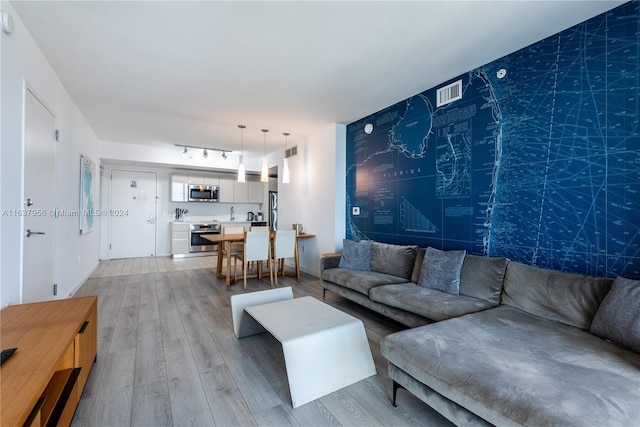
x=368, y=128
x=7, y=23
x=355, y=210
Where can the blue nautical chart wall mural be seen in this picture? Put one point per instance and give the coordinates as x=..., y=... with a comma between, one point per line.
x=537, y=158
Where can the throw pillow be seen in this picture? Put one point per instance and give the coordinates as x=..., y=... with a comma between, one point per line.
x=441, y=270
x=356, y=255
x=618, y=319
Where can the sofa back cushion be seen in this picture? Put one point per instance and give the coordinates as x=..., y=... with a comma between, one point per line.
x=571, y=299
x=417, y=266
x=482, y=277
x=395, y=260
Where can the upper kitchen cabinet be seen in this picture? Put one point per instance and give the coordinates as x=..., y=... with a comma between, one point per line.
x=226, y=189
x=211, y=180
x=241, y=192
x=179, y=187
x=201, y=178
x=255, y=192
x=232, y=191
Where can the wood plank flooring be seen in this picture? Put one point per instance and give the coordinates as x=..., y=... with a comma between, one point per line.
x=167, y=356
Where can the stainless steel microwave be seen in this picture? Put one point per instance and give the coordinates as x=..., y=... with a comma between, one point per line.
x=204, y=193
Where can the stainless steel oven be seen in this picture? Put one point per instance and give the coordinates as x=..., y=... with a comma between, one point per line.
x=197, y=243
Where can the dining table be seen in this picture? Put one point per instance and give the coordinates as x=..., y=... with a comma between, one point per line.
x=228, y=239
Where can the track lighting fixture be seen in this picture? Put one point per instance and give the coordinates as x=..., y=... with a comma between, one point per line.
x=205, y=150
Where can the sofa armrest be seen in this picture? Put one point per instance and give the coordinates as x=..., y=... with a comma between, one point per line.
x=329, y=261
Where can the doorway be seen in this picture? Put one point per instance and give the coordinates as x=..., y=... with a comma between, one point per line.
x=132, y=214
x=38, y=249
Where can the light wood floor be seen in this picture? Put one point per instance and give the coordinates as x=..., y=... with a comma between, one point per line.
x=167, y=356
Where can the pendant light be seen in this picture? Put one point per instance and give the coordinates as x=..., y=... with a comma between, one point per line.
x=241, y=170
x=285, y=170
x=264, y=176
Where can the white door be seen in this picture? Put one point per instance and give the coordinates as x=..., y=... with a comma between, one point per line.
x=38, y=223
x=132, y=214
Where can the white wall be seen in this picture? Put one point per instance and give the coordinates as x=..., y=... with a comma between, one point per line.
x=315, y=197
x=76, y=256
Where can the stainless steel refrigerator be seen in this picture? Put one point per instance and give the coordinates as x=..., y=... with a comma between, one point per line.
x=273, y=210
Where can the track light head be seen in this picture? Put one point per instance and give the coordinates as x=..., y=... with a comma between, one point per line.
x=224, y=155
x=205, y=154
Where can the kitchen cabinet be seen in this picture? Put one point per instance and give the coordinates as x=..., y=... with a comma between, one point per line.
x=179, y=238
x=241, y=192
x=255, y=192
x=200, y=178
x=232, y=191
x=196, y=178
x=179, y=187
x=227, y=189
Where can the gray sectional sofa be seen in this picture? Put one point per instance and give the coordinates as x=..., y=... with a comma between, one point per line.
x=516, y=346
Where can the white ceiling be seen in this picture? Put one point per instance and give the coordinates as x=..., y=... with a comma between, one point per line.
x=167, y=72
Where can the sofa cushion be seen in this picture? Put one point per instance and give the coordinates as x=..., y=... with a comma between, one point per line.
x=417, y=266
x=482, y=277
x=512, y=368
x=432, y=304
x=618, y=318
x=441, y=270
x=571, y=299
x=360, y=281
x=393, y=259
x=356, y=255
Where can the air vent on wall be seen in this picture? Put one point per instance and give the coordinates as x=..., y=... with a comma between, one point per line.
x=291, y=152
x=449, y=93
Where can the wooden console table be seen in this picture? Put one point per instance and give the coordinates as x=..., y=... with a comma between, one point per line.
x=57, y=343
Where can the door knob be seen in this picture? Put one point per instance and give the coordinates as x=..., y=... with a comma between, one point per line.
x=29, y=233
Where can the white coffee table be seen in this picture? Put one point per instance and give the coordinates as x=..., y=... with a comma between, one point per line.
x=324, y=348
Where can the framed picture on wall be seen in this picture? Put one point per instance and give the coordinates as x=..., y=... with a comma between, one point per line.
x=87, y=199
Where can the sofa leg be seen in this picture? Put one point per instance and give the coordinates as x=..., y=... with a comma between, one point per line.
x=396, y=386
x=324, y=292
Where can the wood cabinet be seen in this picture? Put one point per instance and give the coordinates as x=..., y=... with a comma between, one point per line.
x=179, y=238
x=57, y=344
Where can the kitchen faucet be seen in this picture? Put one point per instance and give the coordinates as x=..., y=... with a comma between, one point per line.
x=231, y=213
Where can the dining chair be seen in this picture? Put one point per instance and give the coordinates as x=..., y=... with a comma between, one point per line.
x=256, y=248
x=284, y=246
x=259, y=228
x=236, y=247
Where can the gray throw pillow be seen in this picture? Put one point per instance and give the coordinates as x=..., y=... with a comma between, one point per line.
x=618, y=318
x=356, y=255
x=441, y=270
